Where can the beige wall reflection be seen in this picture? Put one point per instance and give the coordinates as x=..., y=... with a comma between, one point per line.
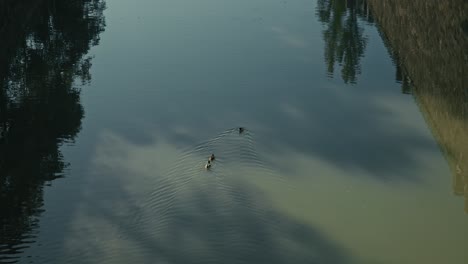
x=431, y=54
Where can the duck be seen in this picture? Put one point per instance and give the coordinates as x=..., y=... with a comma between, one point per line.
x=211, y=158
x=208, y=165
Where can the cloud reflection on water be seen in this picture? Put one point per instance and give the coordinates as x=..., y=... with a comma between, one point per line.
x=216, y=217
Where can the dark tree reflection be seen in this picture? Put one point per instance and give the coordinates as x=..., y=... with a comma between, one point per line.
x=345, y=42
x=44, y=51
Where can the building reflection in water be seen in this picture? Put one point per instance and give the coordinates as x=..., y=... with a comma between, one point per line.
x=430, y=64
x=434, y=63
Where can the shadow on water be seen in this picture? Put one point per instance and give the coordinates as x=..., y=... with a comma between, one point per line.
x=41, y=54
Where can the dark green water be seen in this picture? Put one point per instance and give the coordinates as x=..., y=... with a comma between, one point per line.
x=109, y=111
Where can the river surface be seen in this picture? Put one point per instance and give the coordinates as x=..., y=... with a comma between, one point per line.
x=109, y=112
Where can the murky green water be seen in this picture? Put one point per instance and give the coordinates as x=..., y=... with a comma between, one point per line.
x=108, y=113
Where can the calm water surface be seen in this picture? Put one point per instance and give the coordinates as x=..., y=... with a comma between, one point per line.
x=109, y=111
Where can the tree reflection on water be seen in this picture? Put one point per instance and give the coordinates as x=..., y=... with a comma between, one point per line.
x=345, y=42
x=43, y=53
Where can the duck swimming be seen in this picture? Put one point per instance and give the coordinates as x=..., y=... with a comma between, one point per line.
x=211, y=158
x=208, y=165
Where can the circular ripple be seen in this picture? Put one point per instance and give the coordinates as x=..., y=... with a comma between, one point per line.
x=212, y=205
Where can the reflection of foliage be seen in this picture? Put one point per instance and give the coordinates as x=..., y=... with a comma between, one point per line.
x=39, y=108
x=344, y=40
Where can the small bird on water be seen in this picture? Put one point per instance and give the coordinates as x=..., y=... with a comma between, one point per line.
x=211, y=158
x=208, y=165
x=241, y=130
